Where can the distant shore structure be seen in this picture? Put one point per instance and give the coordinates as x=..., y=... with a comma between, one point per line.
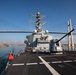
x=70, y=37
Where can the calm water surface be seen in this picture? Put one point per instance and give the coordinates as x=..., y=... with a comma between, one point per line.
x=7, y=50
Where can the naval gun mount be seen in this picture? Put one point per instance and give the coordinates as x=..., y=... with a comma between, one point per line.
x=41, y=41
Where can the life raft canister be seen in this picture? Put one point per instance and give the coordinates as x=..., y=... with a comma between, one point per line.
x=10, y=57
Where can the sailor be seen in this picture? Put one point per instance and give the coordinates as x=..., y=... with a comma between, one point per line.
x=10, y=58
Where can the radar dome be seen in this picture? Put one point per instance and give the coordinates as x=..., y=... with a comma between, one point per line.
x=35, y=31
x=38, y=12
x=46, y=31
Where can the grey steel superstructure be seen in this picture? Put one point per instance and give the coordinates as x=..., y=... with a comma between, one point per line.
x=40, y=40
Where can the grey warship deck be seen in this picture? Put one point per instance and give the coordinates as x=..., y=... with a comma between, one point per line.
x=43, y=64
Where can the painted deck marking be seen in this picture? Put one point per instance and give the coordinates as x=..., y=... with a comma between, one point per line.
x=51, y=69
x=43, y=63
x=62, y=61
x=68, y=61
x=31, y=63
x=75, y=60
x=56, y=61
x=18, y=64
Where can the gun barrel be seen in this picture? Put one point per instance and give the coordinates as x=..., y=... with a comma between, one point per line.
x=65, y=35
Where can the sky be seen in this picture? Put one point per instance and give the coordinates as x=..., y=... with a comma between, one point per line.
x=16, y=15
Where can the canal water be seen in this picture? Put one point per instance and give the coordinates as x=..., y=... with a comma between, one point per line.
x=4, y=54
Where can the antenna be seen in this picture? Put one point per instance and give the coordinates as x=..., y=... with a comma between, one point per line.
x=38, y=22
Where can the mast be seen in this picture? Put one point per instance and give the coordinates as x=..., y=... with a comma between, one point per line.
x=38, y=22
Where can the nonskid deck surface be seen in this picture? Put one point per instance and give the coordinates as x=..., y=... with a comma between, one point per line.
x=43, y=64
